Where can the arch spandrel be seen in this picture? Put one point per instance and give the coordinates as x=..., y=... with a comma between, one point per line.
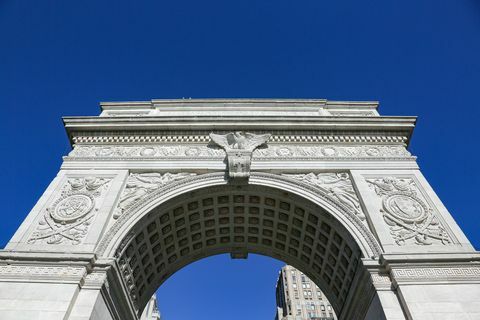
x=274, y=216
x=120, y=228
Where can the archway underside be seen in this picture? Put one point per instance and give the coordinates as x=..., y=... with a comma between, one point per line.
x=239, y=220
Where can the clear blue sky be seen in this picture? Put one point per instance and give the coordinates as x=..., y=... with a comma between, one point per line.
x=62, y=57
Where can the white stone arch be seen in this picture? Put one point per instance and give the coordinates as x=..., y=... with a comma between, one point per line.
x=120, y=236
x=265, y=145
x=112, y=239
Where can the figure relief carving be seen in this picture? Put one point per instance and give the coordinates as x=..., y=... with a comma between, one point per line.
x=337, y=186
x=409, y=218
x=67, y=220
x=141, y=184
x=239, y=147
x=272, y=151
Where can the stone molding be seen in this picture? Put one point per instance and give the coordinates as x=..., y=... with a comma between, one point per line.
x=432, y=273
x=381, y=280
x=95, y=280
x=39, y=273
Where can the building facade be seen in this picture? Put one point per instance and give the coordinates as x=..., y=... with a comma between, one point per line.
x=299, y=298
x=151, y=310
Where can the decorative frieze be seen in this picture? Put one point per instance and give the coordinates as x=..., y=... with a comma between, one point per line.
x=410, y=219
x=332, y=152
x=433, y=273
x=277, y=151
x=139, y=185
x=336, y=186
x=67, y=219
x=39, y=272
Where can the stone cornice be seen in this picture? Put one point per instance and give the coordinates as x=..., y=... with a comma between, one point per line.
x=245, y=122
x=288, y=120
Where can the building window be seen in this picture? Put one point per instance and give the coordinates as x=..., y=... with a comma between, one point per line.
x=322, y=307
x=294, y=286
x=329, y=308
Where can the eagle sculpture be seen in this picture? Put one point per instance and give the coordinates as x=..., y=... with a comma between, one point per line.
x=239, y=140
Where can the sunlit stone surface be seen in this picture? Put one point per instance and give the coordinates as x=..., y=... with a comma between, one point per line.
x=329, y=187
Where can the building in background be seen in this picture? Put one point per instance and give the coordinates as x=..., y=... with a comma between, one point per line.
x=151, y=310
x=298, y=298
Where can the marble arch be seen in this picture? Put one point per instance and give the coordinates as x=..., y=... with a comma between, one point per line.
x=327, y=186
x=268, y=216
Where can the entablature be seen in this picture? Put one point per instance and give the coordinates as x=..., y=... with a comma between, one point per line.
x=192, y=120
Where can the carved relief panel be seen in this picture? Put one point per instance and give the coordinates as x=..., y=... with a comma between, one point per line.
x=411, y=219
x=337, y=186
x=272, y=151
x=140, y=185
x=67, y=218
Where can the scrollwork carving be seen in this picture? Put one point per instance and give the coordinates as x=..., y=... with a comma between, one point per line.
x=410, y=218
x=67, y=219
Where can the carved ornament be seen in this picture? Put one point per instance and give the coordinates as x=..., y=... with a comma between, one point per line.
x=239, y=147
x=41, y=273
x=139, y=185
x=437, y=273
x=410, y=219
x=67, y=220
x=272, y=151
x=336, y=186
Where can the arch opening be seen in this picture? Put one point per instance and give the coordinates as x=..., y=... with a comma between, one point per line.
x=239, y=220
x=222, y=288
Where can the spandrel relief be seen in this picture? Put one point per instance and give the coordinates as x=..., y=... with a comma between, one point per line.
x=336, y=186
x=67, y=219
x=139, y=185
x=410, y=218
